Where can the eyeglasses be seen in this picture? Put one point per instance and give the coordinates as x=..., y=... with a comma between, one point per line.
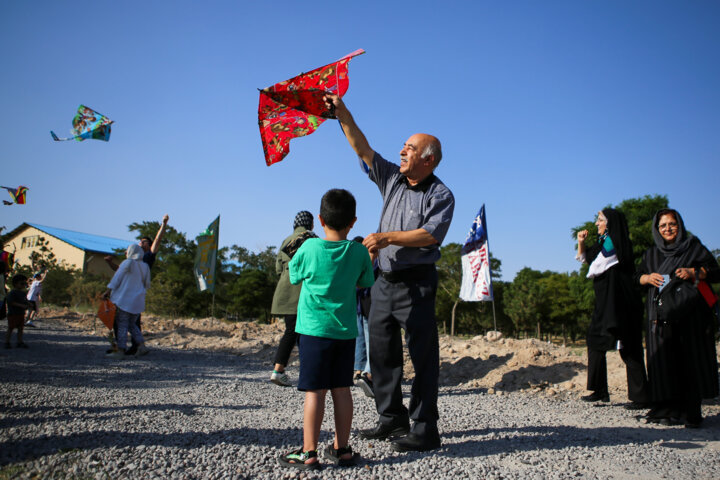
x=668, y=226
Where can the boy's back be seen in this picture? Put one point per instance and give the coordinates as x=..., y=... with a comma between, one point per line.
x=330, y=271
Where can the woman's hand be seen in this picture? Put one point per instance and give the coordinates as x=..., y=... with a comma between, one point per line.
x=106, y=294
x=582, y=235
x=686, y=274
x=654, y=279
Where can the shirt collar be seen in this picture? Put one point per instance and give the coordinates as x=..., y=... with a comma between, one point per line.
x=422, y=186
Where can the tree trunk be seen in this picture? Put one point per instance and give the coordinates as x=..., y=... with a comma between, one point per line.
x=564, y=336
x=452, y=318
x=538, y=331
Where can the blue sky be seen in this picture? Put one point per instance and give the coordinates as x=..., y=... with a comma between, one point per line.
x=547, y=112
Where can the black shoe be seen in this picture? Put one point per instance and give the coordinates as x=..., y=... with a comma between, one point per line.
x=334, y=456
x=22, y=345
x=636, y=406
x=596, y=397
x=415, y=443
x=131, y=350
x=366, y=385
x=693, y=424
x=382, y=432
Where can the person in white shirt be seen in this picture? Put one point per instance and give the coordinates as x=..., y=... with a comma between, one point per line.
x=34, y=298
x=127, y=291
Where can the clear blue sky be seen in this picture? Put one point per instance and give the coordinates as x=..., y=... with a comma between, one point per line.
x=547, y=111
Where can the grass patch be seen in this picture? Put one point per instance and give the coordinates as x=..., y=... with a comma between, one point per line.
x=10, y=471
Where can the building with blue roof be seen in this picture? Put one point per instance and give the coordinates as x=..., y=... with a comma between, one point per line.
x=82, y=251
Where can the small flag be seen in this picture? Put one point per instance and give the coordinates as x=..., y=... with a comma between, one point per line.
x=476, y=278
x=206, y=256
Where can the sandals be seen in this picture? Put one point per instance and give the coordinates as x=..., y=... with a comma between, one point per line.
x=297, y=459
x=334, y=456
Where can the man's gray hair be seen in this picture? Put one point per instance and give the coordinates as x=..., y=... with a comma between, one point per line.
x=433, y=148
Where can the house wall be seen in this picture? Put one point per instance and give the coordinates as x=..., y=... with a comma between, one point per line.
x=25, y=242
x=95, y=264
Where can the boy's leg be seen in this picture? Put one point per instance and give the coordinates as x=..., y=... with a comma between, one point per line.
x=343, y=409
x=313, y=417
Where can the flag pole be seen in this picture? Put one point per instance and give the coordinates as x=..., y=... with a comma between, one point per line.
x=494, y=319
x=212, y=308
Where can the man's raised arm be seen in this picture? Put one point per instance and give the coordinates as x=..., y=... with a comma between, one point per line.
x=355, y=136
x=159, y=235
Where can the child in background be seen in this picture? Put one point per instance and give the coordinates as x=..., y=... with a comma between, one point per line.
x=330, y=269
x=34, y=298
x=16, y=306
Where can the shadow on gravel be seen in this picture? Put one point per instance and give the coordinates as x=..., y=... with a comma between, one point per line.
x=27, y=449
x=57, y=357
x=537, y=438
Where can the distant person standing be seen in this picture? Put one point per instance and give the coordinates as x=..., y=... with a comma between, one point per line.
x=17, y=303
x=127, y=291
x=150, y=249
x=285, y=299
x=34, y=297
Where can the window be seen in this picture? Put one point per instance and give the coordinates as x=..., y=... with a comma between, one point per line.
x=29, y=242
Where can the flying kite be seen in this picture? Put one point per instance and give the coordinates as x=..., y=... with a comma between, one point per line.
x=18, y=195
x=88, y=124
x=295, y=107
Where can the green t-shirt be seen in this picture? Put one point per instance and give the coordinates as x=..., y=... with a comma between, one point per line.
x=329, y=272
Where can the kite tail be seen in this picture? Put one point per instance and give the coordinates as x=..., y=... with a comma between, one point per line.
x=5, y=202
x=57, y=139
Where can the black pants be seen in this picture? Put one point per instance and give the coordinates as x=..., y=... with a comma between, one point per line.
x=632, y=355
x=410, y=306
x=287, y=342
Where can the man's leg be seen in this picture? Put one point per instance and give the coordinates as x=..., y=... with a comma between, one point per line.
x=418, y=319
x=386, y=359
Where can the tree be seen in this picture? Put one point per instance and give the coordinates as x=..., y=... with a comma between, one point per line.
x=524, y=299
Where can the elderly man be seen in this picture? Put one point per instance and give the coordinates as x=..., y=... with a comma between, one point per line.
x=416, y=215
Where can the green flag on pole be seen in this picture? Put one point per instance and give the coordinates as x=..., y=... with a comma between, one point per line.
x=206, y=256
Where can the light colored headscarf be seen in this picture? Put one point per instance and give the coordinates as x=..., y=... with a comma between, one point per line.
x=134, y=252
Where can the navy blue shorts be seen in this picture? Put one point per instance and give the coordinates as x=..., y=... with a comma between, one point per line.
x=325, y=363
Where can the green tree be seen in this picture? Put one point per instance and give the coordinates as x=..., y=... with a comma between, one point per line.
x=524, y=300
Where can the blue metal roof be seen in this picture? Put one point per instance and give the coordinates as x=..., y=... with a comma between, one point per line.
x=85, y=241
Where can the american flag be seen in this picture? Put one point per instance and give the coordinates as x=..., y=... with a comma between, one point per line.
x=476, y=280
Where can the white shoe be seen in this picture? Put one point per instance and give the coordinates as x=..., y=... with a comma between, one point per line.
x=29, y=323
x=142, y=350
x=280, y=378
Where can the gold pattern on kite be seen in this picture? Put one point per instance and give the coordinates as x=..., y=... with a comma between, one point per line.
x=88, y=123
x=295, y=107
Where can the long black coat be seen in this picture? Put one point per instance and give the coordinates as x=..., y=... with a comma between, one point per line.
x=681, y=359
x=618, y=309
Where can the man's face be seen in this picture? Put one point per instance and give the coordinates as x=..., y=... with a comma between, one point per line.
x=412, y=164
x=145, y=244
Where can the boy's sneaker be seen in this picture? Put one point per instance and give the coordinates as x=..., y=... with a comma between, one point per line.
x=141, y=350
x=366, y=385
x=280, y=378
x=29, y=323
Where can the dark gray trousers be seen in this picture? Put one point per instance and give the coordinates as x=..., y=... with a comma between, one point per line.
x=409, y=306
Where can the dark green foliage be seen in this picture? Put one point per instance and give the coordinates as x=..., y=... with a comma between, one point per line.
x=85, y=289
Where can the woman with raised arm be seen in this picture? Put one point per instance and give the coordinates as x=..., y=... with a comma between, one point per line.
x=617, y=316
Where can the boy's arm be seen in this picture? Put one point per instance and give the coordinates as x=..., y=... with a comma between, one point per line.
x=158, y=237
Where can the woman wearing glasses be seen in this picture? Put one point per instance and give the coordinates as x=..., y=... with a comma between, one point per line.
x=682, y=365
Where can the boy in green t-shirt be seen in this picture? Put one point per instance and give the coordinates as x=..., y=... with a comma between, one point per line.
x=329, y=270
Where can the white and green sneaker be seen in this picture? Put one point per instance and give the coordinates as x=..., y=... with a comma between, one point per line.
x=280, y=378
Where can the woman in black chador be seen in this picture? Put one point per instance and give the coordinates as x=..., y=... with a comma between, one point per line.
x=682, y=366
x=617, y=317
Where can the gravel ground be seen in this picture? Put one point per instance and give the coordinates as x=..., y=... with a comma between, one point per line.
x=67, y=411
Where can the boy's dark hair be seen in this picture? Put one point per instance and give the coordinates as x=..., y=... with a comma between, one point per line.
x=18, y=278
x=146, y=238
x=337, y=208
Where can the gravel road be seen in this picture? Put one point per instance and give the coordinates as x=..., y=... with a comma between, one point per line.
x=67, y=411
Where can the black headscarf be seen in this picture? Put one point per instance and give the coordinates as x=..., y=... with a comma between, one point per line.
x=682, y=241
x=617, y=229
x=303, y=219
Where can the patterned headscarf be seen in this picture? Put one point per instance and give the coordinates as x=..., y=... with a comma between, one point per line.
x=303, y=219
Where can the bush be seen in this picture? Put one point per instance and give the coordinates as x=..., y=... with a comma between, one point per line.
x=86, y=289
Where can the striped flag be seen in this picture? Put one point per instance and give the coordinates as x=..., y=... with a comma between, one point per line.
x=476, y=280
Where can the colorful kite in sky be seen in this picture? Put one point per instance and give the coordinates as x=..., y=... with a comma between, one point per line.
x=295, y=107
x=88, y=124
x=18, y=195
